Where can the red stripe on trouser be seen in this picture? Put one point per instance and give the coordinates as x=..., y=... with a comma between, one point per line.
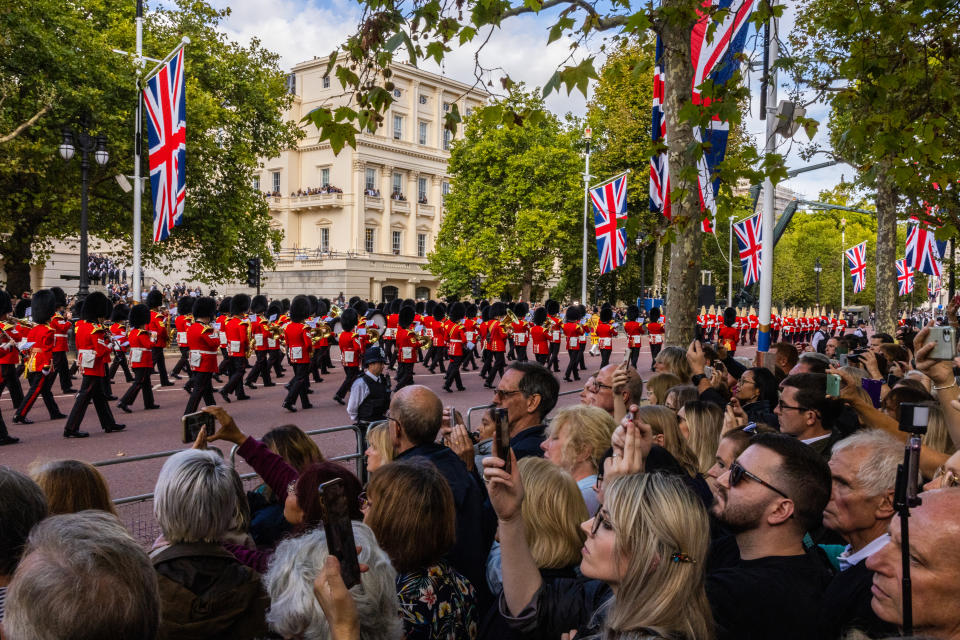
x=28, y=402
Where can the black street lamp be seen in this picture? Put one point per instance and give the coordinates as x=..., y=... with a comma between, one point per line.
x=817, y=268
x=641, y=247
x=82, y=140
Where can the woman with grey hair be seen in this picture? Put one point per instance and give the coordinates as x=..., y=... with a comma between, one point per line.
x=204, y=591
x=294, y=610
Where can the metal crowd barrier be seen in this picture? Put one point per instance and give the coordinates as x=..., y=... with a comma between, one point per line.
x=484, y=407
x=139, y=519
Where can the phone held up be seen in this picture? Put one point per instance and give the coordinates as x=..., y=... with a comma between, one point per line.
x=503, y=438
x=833, y=385
x=946, y=343
x=339, y=530
x=193, y=422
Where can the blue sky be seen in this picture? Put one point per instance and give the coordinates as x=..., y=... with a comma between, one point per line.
x=301, y=29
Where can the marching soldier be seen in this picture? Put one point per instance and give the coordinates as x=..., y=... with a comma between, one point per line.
x=182, y=323
x=141, y=357
x=654, y=329
x=10, y=337
x=93, y=352
x=203, y=340
x=754, y=325
x=482, y=331
x=582, y=310
x=729, y=335
x=455, y=347
x=299, y=349
x=61, y=326
x=439, y=338
x=521, y=335
x=496, y=342
x=220, y=324
x=634, y=330
x=276, y=321
x=540, y=335
x=556, y=335
x=159, y=325
x=407, y=345
x=40, y=372
x=470, y=335
x=774, y=325
x=238, y=342
x=389, y=337
x=350, y=352
x=605, y=334
x=260, y=334
x=572, y=331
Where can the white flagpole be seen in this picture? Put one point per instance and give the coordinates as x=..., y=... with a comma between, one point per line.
x=730, y=266
x=137, y=182
x=843, y=264
x=588, y=133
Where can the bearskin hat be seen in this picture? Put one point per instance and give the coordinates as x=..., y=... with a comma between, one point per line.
x=420, y=306
x=439, y=311
x=498, y=310
x=457, y=311
x=240, y=304
x=185, y=305
x=121, y=313
x=471, y=311
x=139, y=316
x=394, y=306
x=633, y=312
x=539, y=315
x=60, y=296
x=573, y=314
x=323, y=307
x=95, y=306
x=348, y=319
x=154, y=299
x=553, y=307
x=729, y=316
x=360, y=307
x=205, y=307
x=224, y=307
x=300, y=308
x=430, y=306
x=5, y=305
x=521, y=309
x=258, y=304
x=655, y=314
x=405, y=316
x=606, y=314
x=20, y=309
x=275, y=309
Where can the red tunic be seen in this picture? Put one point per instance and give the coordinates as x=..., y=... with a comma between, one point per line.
x=259, y=334
x=496, y=337
x=350, y=349
x=556, y=329
x=605, y=335
x=634, y=330
x=539, y=337
x=520, y=335
x=158, y=329
x=182, y=323
x=655, y=329
x=93, y=349
x=203, y=341
x=299, y=345
x=572, y=331
x=237, y=337
x=439, y=334
x=60, y=326
x=13, y=334
x=390, y=332
x=41, y=353
x=455, y=340
x=407, y=346
x=141, y=356
x=728, y=338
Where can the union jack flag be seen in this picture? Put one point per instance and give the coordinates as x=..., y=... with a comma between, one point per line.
x=905, y=275
x=165, y=99
x=857, y=257
x=610, y=205
x=923, y=251
x=749, y=234
x=713, y=59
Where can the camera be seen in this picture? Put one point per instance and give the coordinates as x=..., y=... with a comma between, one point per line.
x=914, y=417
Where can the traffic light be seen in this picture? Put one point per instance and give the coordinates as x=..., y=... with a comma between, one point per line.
x=253, y=272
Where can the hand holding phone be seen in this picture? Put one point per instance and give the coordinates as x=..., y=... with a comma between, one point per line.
x=833, y=385
x=339, y=530
x=501, y=439
x=193, y=423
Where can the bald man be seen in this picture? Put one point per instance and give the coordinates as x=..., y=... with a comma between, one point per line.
x=934, y=531
x=604, y=389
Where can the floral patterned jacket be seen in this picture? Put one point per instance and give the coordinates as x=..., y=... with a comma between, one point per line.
x=437, y=603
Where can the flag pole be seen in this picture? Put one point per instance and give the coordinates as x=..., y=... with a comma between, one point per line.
x=587, y=134
x=730, y=265
x=137, y=182
x=843, y=264
x=767, y=220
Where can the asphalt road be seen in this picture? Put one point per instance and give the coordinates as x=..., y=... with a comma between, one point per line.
x=157, y=431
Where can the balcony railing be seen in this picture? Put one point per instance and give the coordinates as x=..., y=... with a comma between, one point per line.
x=426, y=210
x=400, y=206
x=372, y=202
x=317, y=200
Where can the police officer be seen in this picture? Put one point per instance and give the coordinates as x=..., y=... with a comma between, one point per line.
x=370, y=392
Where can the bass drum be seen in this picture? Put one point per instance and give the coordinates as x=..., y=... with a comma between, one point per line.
x=376, y=319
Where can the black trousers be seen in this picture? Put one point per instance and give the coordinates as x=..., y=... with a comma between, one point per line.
x=183, y=364
x=554, y=360
x=261, y=368
x=161, y=365
x=352, y=373
x=583, y=356
x=63, y=371
x=439, y=355
x=542, y=358
x=634, y=356
x=91, y=390
x=141, y=382
x=299, y=385
x=487, y=361
x=10, y=381
x=573, y=365
x=453, y=373
x=276, y=361
x=120, y=360
x=470, y=358
x=202, y=389
x=605, y=357
x=404, y=375
x=520, y=353
x=654, y=350
x=40, y=385
x=389, y=352
x=235, y=384
x=316, y=363
x=497, y=366
x=225, y=363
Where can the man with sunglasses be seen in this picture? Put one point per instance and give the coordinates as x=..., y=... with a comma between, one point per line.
x=528, y=391
x=772, y=495
x=805, y=412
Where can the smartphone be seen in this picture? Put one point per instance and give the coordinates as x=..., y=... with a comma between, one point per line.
x=193, y=422
x=873, y=389
x=946, y=342
x=339, y=530
x=833, y=385
x=502, y=436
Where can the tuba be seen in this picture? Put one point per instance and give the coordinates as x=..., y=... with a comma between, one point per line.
x=509, y=318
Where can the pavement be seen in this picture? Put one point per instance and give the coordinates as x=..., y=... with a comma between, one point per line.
x=160, y=430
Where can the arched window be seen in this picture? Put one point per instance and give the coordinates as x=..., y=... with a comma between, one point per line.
x=389, y=293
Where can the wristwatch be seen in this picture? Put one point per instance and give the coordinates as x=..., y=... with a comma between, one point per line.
x=697, y=378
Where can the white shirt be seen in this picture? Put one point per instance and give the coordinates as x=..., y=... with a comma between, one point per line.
x=818, y=438
x=847, y=559
x=588, y=489
x=358, y=393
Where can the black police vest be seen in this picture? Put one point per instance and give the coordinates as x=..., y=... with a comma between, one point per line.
x=375, y=405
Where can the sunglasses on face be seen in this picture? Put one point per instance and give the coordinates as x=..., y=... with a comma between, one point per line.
x=738, y=473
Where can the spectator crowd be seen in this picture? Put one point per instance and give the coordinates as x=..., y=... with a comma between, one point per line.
x=718, y=499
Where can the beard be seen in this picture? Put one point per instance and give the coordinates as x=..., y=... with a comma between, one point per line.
x=737, y=516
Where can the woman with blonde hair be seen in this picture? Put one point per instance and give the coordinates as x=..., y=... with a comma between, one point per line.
x=72, y=486
x=379, y=446
x=666, y=433
x=674, y=360
x=659, y=385
x=644, y=555
x=700, y=424
x=575, y=441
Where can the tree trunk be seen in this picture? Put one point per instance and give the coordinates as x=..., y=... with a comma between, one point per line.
x=526, y=287
x=657, y=267
x=681, y=304
x=886, y=254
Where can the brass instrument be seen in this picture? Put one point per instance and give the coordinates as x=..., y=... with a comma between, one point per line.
x=373, y=335
x=334, y=311
x=509, y=319
x=593, y=322
x=425, y=342
x=23, y=321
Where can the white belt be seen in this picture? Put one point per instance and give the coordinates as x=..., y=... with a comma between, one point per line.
x=59, y=335
x=206, y=353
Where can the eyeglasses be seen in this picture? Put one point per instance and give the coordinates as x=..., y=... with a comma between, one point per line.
x=501, y=393
x=787, y=406
x=738, y=473
x=599, y=519
x=947, y=477
x=595, y=386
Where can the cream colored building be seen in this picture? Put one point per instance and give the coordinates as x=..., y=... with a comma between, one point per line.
x=371, y=238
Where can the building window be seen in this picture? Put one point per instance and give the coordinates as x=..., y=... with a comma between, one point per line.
x=446, y=107
x=396, y=243
x=423, y=133
x=397, y=127
x=422, y=191
x=423, y=99
x=397, y=184
x=445, y=187
x=256, y=183
x=276, y=182
x=368, y=240
x=292, y=84
x=397, y=93
x=422, y=293
x=469, y=111
x=371, y=180
x=447, y=137
x=325, y=177
x=421, y=245
x=326, y=82
x=325, y=239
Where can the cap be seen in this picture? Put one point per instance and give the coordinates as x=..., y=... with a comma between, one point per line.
x=373, y=355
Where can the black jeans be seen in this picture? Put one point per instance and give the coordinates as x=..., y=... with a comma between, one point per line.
x=202, y=389
x=141, y=382
x=634, y=356
x=91, y=390
x=554, y=360
x=605, y=357
x=496, y=366
x=237, y=366
x=261, y=368
x=573, y=365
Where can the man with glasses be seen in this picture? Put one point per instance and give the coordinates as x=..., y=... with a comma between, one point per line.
x=769, y=499
x=804, y=411
x=603, y=390
x=528, y=392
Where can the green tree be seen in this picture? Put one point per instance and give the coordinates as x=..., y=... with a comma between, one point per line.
x=60, y=54
x=513, y=203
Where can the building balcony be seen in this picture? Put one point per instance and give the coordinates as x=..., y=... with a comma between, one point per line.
x=317, y=201
x=372, y=202
x=400, y=206
x=426, y=210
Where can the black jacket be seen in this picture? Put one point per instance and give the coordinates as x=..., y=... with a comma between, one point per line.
x=846, y=605
x=562, y=604
x=527, y=442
